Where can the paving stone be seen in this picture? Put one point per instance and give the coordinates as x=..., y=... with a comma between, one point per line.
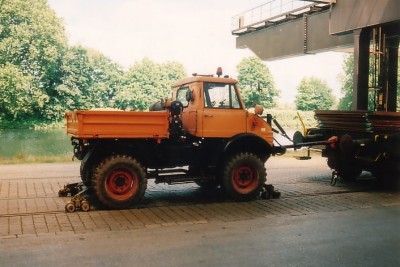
x=30, y=206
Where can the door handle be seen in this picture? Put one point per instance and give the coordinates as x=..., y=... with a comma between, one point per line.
x=208, y=116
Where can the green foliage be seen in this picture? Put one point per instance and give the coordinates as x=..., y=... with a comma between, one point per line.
x=16, y=94
x=32, y=42
x=314, y=94
x=346, y=80
x=41, y=77
x=289, y=119
x=88, y=80
x=256, y=83
x=147, y=82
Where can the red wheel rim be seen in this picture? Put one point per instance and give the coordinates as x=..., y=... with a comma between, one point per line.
x=245, y=179
x=121, y=184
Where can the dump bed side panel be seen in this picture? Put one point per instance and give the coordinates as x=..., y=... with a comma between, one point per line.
x=117, y=124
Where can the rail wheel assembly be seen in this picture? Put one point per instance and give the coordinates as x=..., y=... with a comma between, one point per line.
x=77, y=202
x=76, y=191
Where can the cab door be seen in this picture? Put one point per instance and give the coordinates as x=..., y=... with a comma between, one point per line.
x=223, y=114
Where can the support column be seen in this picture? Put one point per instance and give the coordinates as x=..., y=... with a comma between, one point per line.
x=361, y=68
x=392, y=57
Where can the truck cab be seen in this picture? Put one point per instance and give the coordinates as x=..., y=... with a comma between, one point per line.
x=213, y=108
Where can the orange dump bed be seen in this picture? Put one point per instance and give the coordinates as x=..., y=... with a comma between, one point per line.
x=117, y=124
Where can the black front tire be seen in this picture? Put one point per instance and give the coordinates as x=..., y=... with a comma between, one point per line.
x=244, y=176
x=120, y=182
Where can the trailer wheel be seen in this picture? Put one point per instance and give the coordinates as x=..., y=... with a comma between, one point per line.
x=244, y=176
x=120, y=182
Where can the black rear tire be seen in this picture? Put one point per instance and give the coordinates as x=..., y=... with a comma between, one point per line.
x=244, y=176
x=120, y=182
x=86, y=175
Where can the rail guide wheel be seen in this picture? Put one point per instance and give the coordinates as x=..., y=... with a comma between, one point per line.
x=70, y=207
x=77, y=202
x=269, y=192
x=85, y=205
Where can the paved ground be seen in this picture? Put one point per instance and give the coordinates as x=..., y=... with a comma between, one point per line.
x=30, y=206
x=312, y=224
x=358, y=237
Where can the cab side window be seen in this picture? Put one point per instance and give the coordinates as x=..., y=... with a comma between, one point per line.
x=181, y=95
x=221, y=95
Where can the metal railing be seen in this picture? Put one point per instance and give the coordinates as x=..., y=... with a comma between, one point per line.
x=270, y=10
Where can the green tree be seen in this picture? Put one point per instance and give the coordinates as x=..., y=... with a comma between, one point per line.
x=314, y=94
x=256, y=83
x=89, y=80
x=346, y=80
x=16, y=94
x=147, y=82
x=32, y=42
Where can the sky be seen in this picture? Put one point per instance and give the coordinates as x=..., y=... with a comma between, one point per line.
x=194, y=33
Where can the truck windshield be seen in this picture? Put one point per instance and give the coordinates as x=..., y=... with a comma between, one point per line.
x=221, y=95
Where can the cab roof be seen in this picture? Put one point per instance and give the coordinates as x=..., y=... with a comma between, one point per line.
x=204, y=79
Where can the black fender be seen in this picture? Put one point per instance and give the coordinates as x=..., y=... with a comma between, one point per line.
x=101, y=149
x=89, y=162
x=248, y=143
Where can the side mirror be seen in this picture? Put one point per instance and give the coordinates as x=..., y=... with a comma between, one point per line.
x=258, y=110
x=189, y=96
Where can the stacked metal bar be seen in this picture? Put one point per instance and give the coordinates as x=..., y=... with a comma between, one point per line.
x=355, y=121
x=358, y=121
x=385, y=121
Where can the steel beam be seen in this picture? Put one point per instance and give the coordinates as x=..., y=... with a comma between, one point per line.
x=349, y=15
x=361, y=69
x=306, y=35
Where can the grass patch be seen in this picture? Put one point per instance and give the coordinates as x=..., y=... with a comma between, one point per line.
x=289, y=119
x=23, y=159
x=20, y=159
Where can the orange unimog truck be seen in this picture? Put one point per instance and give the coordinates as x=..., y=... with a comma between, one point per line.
x=203, y=135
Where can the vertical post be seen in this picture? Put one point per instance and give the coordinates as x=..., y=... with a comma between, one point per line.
x=392, y=68
x=361, y=68
x=241, y=22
